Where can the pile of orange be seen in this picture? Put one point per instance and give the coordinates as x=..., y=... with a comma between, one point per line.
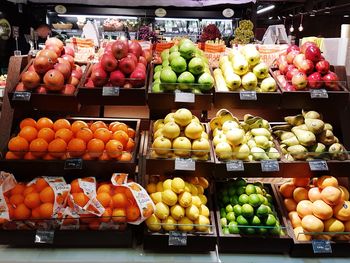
x=48, y=140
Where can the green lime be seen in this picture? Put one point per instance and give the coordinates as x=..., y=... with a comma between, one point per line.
x=226, y=199
x=240, y=190
x=222, y=213
x=242, y=221
x=229, y=208
x=254, y=200
x=225, y=231
x=237, y=209
x=233, y=228
x=256, y=221
x=224, y=191
x=232, y=191
x=234, y=199
x=262, y=211
x=265, y=202
x=262, y=230
x=262, y=198
x=250, y=189
x=230, y=216
x=277, y=230
x=243, y=199
x=269, y=209
x=269, y=198
x=249, y=230
x=223, y=222
x=270, y=220
x=241, y=182
x=247, y=210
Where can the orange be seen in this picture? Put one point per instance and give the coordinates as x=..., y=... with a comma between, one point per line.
x=87, y=157
x=97, y=124
x=47, y=134
x=46, y=210
x=36, y=213
x=104, y=188
x=16, y=199
x=80, y=199
x=287, y=189
x=327, y=180
x=114, y=148
x=131, y=133
x=18, y=145
x=106, y=216
x=129, y=195
x=44, y=123
x=110, y=126
x=344, y=193
x=121, y=136
x=38, y=147
x=119, y=215
x=311, y=223
x=28, y=132
x=119, y=200
x=28, y=190
x=294, y=219
x=95, y=147
x=32, y=200
x=78, y=125
x=60, y=124
x=27, y=122
x=21, y=212
x=125, y=157
x=304, y=208
x=301, y=181
x=119, y=189
x=132, y=213
x=76, y=147
x=47, y=195
x=40, y=184
x=322, y=210
x=64, y=134
x=94, y=225
x=103, y=134
x=104, y=157
x=331, y=195
x=85, y=134
x=300, y=193
x=12, y=156
x=57, y=148
x=119, y=127
x=18, y=189
x=130, y=145
x=29, y=156
x=48, y=157
x=104, y=198
x=290, y=204
x=74, y=187
x=342, y=211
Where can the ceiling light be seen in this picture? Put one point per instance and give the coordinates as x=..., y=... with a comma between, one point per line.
x=312, y=14
x=283, y=17
x=270, y=17
x=99, y=16
x=346, y=15
x=279, y=18
x=265, y=9
x=290, y=15
x=301, y=28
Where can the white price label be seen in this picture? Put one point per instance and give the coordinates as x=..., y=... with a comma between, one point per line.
x=248, y=95
x=185, y=97
x=110, y=91
x=44, y=236
x=319, y=94
x=270, y=166
x=321, y=246
x=177, y=238
x=185, y=164
x=318, y=165
x=235, y=166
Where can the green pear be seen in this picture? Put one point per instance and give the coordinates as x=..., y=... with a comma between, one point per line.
x=317, y=150
x=291, y=141
x=298, y=152
x=185, y=79
x=178, y=64
x=273, y=153
x=240, y=66
x=158, y=68
x=173, y=49
x=196, y=66
x=258, y=154
x=295, y=120
x=311, y=115
x=241, y=152
x=337, y=151
x=262, y=141
x=165, y=54
x=328, y=126
x=260, y=131
x=305, y=138
x=314, y=125
x=261, y=70
x=326, y=137
x=205, y=81
x=187, y=49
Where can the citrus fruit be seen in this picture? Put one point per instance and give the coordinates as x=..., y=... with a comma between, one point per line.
x=162, y=210
x=169, y=224
x=177, y=212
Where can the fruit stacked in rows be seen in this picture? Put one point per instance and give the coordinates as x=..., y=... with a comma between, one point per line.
x=249, y=140
x=180, y=205
x=305, y=68
x=307, y=136
x=123, y=65
x=247, y=208
x=185, y=68
x=61, y=139
x=242, y=70
x=53, y=70
x=180, y=134
x=321, y=205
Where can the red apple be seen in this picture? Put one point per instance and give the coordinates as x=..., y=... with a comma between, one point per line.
x=48, y=53
x=322, y=66
x=62, y=60
x=42, y=64
x=55, y=49
x=143, y=60
x=69, y=58
x=141, y=66
x=69, y=89
x=291, y=55
x=68, y=51
x=89, y=83
x=291, y=73
x=77, y=74
x=306, y=66
x=148, y=55
x=283, y=67
x=31, y=68
x=282, y=80
x=289, y=87
x=96, y=66
x=20, y=87
x=298, y=59
x=99, y=77
x=331, y=81
x=299, y=81
x=54, y=41
x=73, y=81
x=138, y=78
x=108, y=48
x=117, y=78
x=64, y=69
x=135, y=48
x=54, y=80
x=292, y=48
x=127, y=65
x=41, y=90
x=30, y=79
x=313, y=53
x=108, y=62
x=315, y=80
x=120, y=49
x=282, y=59
x=306, y=45
x=133, y=57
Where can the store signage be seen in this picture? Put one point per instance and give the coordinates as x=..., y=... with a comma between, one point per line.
x=319, y=94
x=248, y=95
x=270, y=166
x=21, y=96
x=185, y=164
x=321, y=246
x=73, y=164
x=177, y=238
x=44, y=236
x=186, y=97
x=228, y=12
x=60, y=9
x=160, y=12
x=110, y=91
x=318, y=165
x=235, y=166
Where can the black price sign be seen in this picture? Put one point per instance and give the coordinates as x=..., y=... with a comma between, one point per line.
x=319, y=94
x=185, y=164
x=21, y=96
x=270, y=166
x=177, y=238
x=318, y=165
x=110, y=91
x=248, y=95
x=321, y=246
x=235, y=166
x=44, y=236
x=73, y=164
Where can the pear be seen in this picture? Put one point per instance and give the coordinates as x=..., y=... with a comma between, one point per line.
x=337, y=151
x=241, y=152
x=273, y=154
x=215, y=123
x=314, y=125
x=257, y=124
x=233, y=81
x=291, y=141
x=258, y=154
x=326, y=137
x=286, y=135
x=251, y=143
x=295, y=120
x=301, y=127
x=306, y=138
x=289, y=157
x=220, y=81
x=225, y=115
x=311, y=115
x=262, y=141
x=328, y=126
x=298, y=152
x=222, y=60
x=266, y=124
x=261, y=131
x=317, y=150
x=283, y=127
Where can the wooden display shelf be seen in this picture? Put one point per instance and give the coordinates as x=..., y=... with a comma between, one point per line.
x=125, y=96
x=305, y=248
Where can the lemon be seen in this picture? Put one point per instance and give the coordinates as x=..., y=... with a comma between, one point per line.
x=185, y=224
x=167, y=184
x=156, y=197
x=204, y=210
x=203, y=199
x=151, y=188
x=200, y=189
x=196, y=201
x=203, y=182
x=202, y=223
x=162, y=210
x=178, y=185
x=153, y=223
x=187, y=187
x=177, y=212
x=192, y=212
x=169, y=197
x=160, y=187
x=185, y=199
x=194, y=190
x=169, y=224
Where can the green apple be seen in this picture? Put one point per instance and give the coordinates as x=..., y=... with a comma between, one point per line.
x=171, y=130
x=187, y=49
x=206, y=81
x=249, y=81
x=178, y=64
x=196, y=66
x=158, y=124
x=200, y=147
x=182, y=117
x=168, y=76
x=165, y=54
x=235, y=136
x=169, y=117
x=261, y=70
x=185, y=79
x=193, y=130
x=174, y=48
x=161, y=145
x=173, y=55
x=268, y=85
x=156, y=75
x=158, y=68
x=223, y=151
x=182, y=147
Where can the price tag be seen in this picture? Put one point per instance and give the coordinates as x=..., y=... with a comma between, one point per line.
x=21, y=96
x=321, y=246
x=185, y=164
x=184, y=97
x=248, y=95
x=235, y=166
x=270, y=166
x=177, y=238
x=110, y=91
x=319, y=94
x=44, y=236
x=318, y=165
x=73, y=164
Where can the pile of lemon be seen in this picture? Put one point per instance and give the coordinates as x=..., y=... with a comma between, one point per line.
x=180, y=205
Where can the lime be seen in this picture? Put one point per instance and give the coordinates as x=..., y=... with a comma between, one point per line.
x=223, y=222
x=226, y=199
x=242, y=221
x=237, y=209
x=240, y=190
x=262, y=211
x=230, y=216
x=232, y=191
x=222, y=213
x=229, y=208
x=277, y=230
x=243, y=199
x=241, y=182
x=247, y=210
x=270, y=220
x=224, y=191
x=262, y=230
x=249, y=230
x=225, y=231
x=233, y=228
x=269, y=198
x=269, y=210
x=250, y=189
x=254, y=200
x=234, y=199
x=256, y=221
x=262, y=198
